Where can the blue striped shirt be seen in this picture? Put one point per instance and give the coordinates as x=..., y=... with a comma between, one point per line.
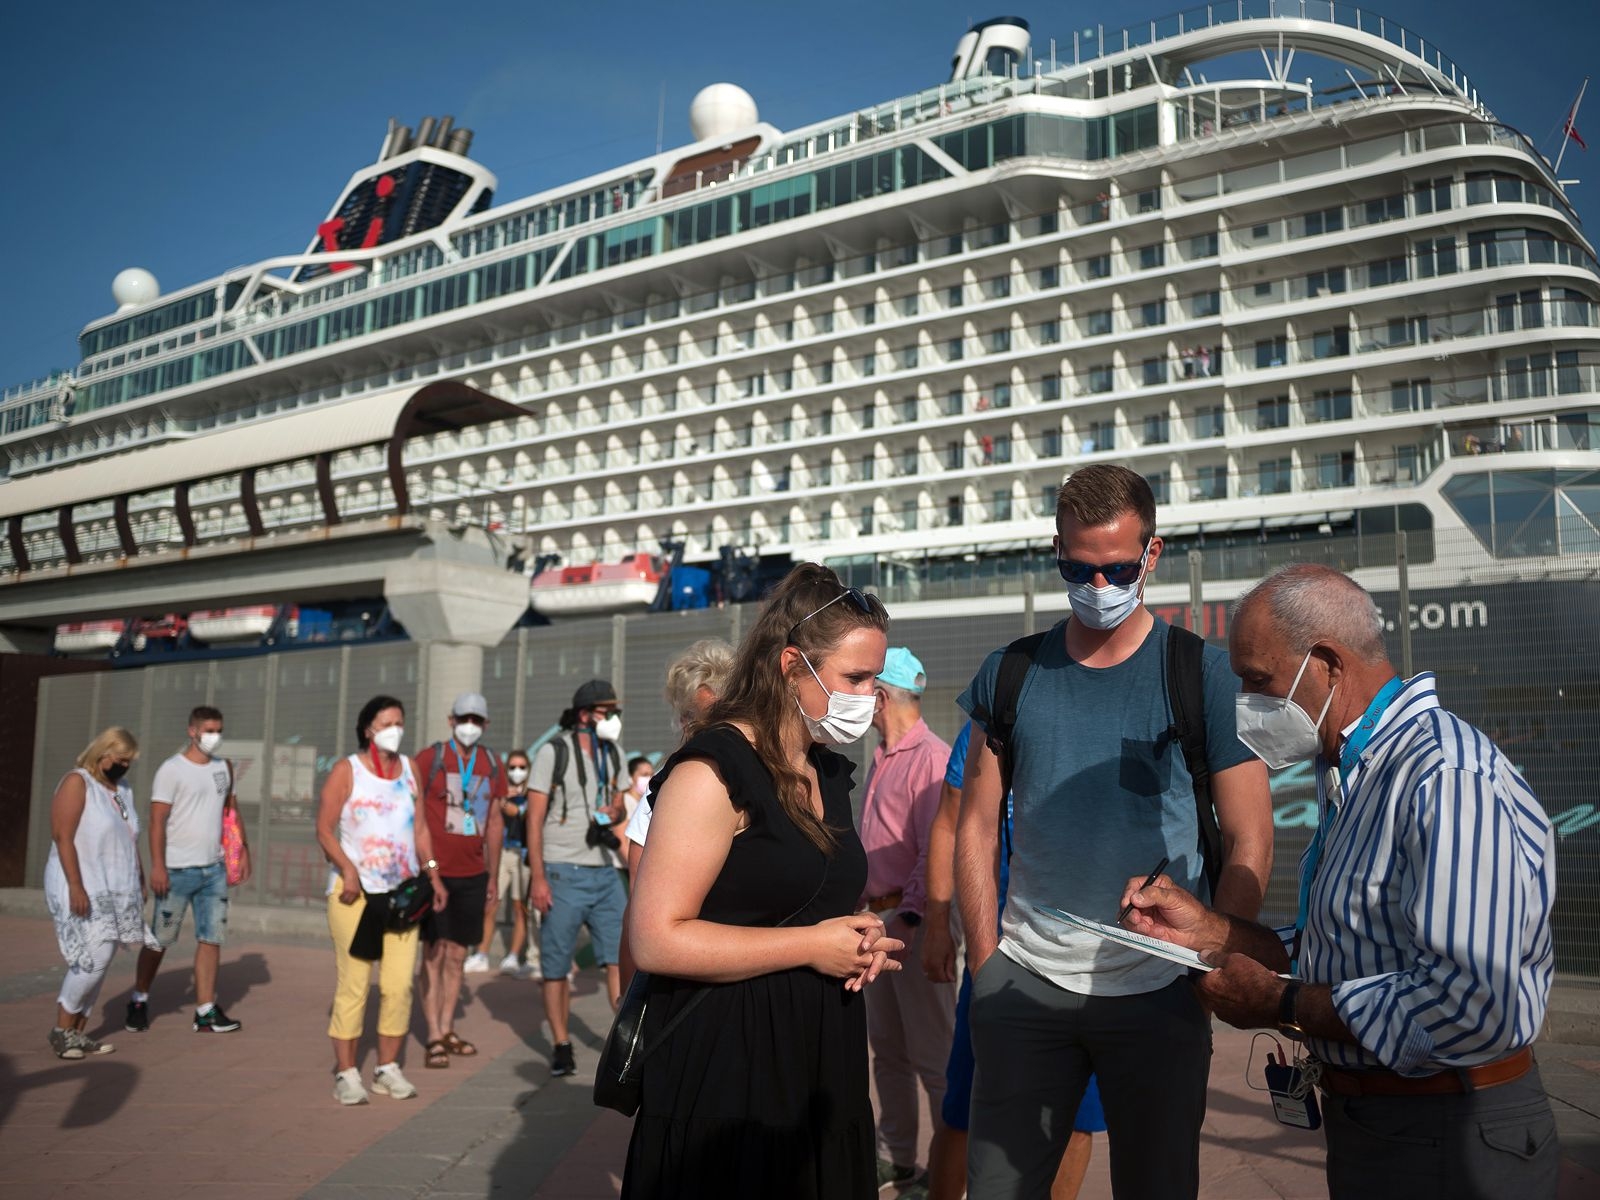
x=1430, y=910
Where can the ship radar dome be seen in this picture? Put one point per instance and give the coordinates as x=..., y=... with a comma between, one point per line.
x=720, y=110
x=134, y=287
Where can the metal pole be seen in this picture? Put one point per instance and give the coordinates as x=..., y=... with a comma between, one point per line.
x=261, y=836
x=519, y=694
x=1028, y=622
x=619, y=653
x=1197, y=606
x=1402, y=569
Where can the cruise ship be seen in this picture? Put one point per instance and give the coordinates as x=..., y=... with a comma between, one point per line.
x=1278, y=256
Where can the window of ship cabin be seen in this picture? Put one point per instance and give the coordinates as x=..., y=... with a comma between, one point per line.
x=1049, y=332
x=1336, y=469
x=1410, y=395
x=1480, y=187
x=1436, y=256
x=824, y=372
x=1101, y=435
x=908, y=461
x=999, y=341
x=908, y=408
x=1050, y=387
x=1385, y=208
x=1275, y=475
x=1155, y=371
x=1331, y=343
x=1329, y=404
x=1271, y=352
x=1000, y=395
x=1203, y=245
x=1048, y=497
x=1208, y=421
x=1001, y=452
x=1519, y=310
x=908, y=357
x=952, y=511
x=954, y=350
x=1153, y=312
x=869, y=415
x=1211, y=483
x=1050, y=444
x=825, y=422
x=1272, y=413
x=1100, y=378
x=1160, y=486
x=1570, y=307
x=908, y=514
x=953, y=404
x=1206, y=304
x=1000, y=506
x=1385, y=271
x=1331, y=280
x=1157, y=429
x=999, y=287
x=953, y=457
x=1432, y=196
x=1098, y=322
x=868, y=466
x=1327, y=220
x=864, y=524
x=1151, y=256
x=953, y=297
x=1049, y=277
x=909, y=305
x=1099, y=267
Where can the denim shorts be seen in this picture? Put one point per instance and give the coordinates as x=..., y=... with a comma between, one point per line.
x=592, y=896
x=206, y=888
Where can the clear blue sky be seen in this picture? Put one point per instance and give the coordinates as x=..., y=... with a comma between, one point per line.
x=188, y=138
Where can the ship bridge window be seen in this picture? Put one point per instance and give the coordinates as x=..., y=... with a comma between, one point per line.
x=1432, y=196
x=1436, y=256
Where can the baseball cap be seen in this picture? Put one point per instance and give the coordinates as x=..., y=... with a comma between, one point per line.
x=470, y=704
x=596, y=691
x=903, y=669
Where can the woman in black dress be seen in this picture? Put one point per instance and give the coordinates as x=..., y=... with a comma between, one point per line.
x=762, y=1090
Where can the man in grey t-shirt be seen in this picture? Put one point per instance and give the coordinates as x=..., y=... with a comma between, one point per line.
x=191, y=791
x=1101, y=792
x=572, y=832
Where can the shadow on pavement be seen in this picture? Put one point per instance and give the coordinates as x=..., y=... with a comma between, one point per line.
x=172, y=993
x=103, y=1088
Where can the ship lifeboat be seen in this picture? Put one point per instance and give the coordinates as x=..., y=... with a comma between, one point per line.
x=597, y=587
x=89, y=637
x=250, y=622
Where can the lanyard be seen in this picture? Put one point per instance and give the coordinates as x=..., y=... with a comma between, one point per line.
x=1348, y=755
x=467, y=767
x=597, y=750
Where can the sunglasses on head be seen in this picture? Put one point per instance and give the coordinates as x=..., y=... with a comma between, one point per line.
x=1118, y=574
x=864, y=602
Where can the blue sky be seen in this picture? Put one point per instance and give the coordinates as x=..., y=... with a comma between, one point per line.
x=188, y=138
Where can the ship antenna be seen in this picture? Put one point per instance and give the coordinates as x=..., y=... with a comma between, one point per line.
x=661, y=117
x=1569, y=128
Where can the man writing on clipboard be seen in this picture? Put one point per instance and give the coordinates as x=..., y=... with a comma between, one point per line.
x=1421, y=950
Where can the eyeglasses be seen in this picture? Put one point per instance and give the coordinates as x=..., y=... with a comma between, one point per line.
x=1118, y=574
x=609, y=711
x=865, y=603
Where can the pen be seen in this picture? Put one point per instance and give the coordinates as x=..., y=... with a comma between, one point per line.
x=1153, y=876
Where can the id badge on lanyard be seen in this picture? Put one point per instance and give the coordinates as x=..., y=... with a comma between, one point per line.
x=1291, y=1085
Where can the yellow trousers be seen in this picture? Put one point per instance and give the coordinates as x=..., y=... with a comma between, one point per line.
x=396, y=970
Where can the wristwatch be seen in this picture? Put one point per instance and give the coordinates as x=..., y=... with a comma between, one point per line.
x=1288, y=1021
x=431, y=865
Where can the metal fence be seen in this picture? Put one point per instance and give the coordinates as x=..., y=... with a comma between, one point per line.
x=1515, y=652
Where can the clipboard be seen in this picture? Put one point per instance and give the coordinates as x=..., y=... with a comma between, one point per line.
x=1181, y=955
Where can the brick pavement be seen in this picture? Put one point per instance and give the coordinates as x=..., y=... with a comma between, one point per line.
x=174, y=1114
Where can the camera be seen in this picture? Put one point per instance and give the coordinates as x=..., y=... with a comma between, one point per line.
x=602, y=835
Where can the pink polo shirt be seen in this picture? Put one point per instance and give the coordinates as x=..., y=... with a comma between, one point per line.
x=897, y=812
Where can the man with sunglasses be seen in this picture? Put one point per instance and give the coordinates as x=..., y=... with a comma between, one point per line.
x=1101, y=791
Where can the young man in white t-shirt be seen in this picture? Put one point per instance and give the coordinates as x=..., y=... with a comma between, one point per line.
x=187, y=800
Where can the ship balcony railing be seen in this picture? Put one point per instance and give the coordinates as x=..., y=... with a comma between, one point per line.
x=1566, y=431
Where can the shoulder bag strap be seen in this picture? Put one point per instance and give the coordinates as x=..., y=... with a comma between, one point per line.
x=1186, y=692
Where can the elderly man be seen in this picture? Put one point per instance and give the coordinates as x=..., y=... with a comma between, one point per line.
x=911, y=1023
x=1421, y=951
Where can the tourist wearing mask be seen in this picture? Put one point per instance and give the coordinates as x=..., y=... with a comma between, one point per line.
x=93, y=883
x=512, y=886
x=745, y=910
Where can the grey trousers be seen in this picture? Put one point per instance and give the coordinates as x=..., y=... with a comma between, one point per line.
x=910, y=1024
x=1485, y=1145
x=1036, y=1045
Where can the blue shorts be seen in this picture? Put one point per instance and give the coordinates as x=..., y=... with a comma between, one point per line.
x=592, y=896
x=1091, y=1117
x=206, y=889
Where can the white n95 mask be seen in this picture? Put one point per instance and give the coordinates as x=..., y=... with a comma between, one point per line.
x=1276, y=729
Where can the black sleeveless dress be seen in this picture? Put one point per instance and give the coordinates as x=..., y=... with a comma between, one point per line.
x=762, y=1090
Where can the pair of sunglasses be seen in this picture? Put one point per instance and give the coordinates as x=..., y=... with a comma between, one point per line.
x=1118, y=574
x=864, y=602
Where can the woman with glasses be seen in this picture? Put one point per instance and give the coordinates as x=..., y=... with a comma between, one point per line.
x=744, y=916
x=93, y=882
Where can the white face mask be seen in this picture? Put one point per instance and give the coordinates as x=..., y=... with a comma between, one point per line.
x=1276, y=729
x=609, y=729
x=208, y=742
x=1109, y=606
x=388, y=740
x=468, y=733
x=848, y=717
x=516, y=774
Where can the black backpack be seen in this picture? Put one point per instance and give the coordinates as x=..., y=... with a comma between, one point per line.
x=1185, y=694
x=558, y=771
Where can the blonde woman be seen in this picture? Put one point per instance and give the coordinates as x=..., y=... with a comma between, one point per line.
x=93, y=883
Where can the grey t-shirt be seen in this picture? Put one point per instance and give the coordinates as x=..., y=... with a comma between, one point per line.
x=1101, y=793
x=196, y=792
x=567, y=819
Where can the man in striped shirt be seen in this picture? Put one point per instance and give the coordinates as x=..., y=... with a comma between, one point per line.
x=1421, y=952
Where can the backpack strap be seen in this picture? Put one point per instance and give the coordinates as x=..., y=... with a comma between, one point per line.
x=999, y=725
x=1186, y=693
x=558, y=773
x=435, y=765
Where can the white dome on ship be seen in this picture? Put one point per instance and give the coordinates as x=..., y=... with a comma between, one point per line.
x=134, y=287
x=720, y=110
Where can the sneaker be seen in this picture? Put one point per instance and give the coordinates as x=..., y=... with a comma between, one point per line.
x=215, y=1021
x=562, y=1061
x=476, y=964
x=87, y=1044
x=347, y=1088
x=509, y=965
x=389, y=1082
x=894, y=1175
x=64, y=1043
x=138, y=1019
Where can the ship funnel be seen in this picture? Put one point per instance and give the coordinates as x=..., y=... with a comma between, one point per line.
x=994, y=47
x=460, y=142
x=401, y=142
x=425, y=132
x=441, y=135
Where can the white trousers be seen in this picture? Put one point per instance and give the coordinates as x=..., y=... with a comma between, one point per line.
x=80, y=989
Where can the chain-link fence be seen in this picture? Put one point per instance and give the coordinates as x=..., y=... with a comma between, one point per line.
x=1514, y=651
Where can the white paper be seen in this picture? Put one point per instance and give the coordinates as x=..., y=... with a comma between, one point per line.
x=1181, y=955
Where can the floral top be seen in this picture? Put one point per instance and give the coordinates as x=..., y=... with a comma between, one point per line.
x=376, y=827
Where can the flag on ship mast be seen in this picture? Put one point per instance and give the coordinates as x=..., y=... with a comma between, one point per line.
x=1569, y=128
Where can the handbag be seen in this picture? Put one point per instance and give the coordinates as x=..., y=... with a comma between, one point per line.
x=617, y=1079
x=232, y=839
x=409, y=902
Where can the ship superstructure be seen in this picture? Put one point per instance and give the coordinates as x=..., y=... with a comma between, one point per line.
x=1279, y=258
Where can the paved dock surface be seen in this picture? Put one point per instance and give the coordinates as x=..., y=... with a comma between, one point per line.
x=174, y=1114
